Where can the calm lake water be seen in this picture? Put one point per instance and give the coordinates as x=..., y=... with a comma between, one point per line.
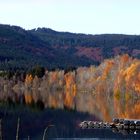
x=37, y=113
x=33, y=123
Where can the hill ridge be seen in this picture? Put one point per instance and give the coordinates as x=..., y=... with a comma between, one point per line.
x=22, y=49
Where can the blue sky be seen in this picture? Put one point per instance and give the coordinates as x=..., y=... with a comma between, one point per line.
x=78, y=16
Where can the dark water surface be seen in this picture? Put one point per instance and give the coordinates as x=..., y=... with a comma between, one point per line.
x=50, y=110
x=63, y=125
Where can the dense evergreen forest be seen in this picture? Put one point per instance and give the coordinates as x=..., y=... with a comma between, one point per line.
x=23, y=49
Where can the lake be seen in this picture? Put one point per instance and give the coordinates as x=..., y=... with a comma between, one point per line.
x=40, y=108
x=63, y=124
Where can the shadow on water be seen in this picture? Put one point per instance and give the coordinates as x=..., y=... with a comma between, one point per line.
x=33, y=123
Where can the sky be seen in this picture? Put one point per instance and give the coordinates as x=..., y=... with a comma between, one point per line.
x=77, y=16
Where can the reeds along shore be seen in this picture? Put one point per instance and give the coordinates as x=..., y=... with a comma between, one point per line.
x=17, y=137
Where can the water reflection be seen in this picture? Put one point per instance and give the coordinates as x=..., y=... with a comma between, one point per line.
x=126, y=131
x=65, y=127
x=103, y=106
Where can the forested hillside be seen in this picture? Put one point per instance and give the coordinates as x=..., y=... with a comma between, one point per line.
x=110, y=90
x=22, y=49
